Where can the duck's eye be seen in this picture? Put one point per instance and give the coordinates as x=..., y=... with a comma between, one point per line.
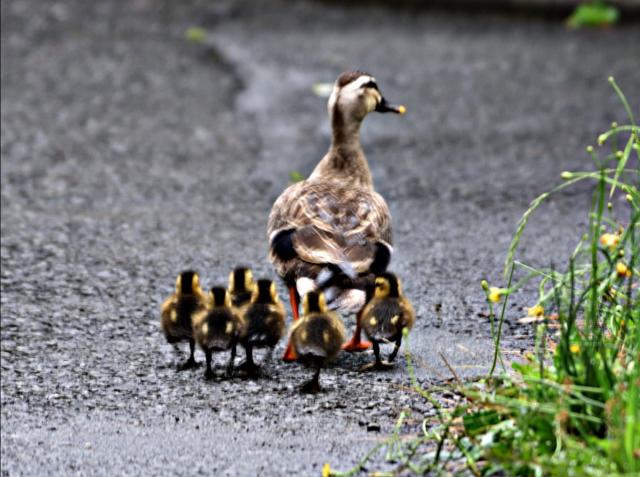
x=370, y=84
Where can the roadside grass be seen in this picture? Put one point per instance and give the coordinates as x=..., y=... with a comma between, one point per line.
x=594, y=14
x=572, y=407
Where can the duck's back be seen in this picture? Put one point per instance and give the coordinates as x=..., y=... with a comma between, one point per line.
x=332, y=222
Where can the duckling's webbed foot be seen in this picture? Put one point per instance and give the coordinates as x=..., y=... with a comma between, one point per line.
x=250, y=370
x=232, y=358
x=188, y=364
x=394, y=353
x=191, y=362
x=312, y=386
x=208, y=374
x=249, y=367
x=378, y=364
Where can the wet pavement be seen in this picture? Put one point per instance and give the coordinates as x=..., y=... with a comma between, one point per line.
x=129, y=153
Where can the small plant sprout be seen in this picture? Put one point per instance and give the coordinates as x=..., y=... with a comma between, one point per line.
x=295, y=176
x=595, y=14
x=196, y=35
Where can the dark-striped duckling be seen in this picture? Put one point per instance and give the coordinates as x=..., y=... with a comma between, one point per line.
x=317, y=337
x=264, y=316
x=177, y=312
x=241, y=286
x=385, y=316
x=218, y=328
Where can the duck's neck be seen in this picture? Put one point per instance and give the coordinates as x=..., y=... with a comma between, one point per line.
x=345, y=161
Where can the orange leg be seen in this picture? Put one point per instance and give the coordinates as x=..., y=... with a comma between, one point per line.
x=356, y=344
x=290, y=354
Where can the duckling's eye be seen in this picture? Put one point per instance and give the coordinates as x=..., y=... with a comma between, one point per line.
x=370, y=84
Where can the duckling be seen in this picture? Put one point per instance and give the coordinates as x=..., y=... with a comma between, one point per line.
x=317, y=337
x=177, y=311
x=218, y=328
x=241, y=286
x=385, y=316
x=335, y=218
x=264, y=316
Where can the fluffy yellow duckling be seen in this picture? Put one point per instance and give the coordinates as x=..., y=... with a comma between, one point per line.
x=177, y=311
x=218, y=328
x=317, y=337
x=385, y=316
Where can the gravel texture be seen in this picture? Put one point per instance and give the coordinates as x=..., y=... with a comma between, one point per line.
x=129, y=154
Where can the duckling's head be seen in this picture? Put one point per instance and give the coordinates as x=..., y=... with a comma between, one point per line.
x=387, y=286
x=188, y=283
x=265, y=292
x=241, y=280
x=356, y=94
x=219, y=296
x=314, y=302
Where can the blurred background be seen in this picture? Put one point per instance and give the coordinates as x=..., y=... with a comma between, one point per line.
x=142, y=137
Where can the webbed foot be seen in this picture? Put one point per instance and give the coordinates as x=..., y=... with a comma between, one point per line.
x=289, y=354
x=356, y=346
x=312, y=387
x=188, y=364
x=250, y=370
x=377, y=366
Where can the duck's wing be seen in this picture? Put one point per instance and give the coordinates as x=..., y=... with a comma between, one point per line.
x=329, y=223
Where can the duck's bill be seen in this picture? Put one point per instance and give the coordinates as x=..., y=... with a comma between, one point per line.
x=384, y=107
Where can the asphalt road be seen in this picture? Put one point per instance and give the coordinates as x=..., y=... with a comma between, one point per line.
x=129, y=154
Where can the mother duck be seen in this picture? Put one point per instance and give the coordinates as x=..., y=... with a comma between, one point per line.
x=335, y=223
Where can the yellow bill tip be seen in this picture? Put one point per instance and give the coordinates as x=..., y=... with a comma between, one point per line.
x=402, y=109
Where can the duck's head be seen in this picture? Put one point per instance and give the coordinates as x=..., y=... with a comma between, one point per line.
x=218, y=296
x=241, y=280
x=355, y=94
x=265, y=292
x=314, y=302
x=188, y=283
x=387, y=286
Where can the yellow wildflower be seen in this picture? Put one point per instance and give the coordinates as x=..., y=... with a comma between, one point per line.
x=610, y=241
x=495, y=294
x=326, y=470
x=574, y=348
x=537, y=310
x=622, y=270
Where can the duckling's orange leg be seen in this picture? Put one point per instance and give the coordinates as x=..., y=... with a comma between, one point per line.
x=356, y=343
x=290, y=354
